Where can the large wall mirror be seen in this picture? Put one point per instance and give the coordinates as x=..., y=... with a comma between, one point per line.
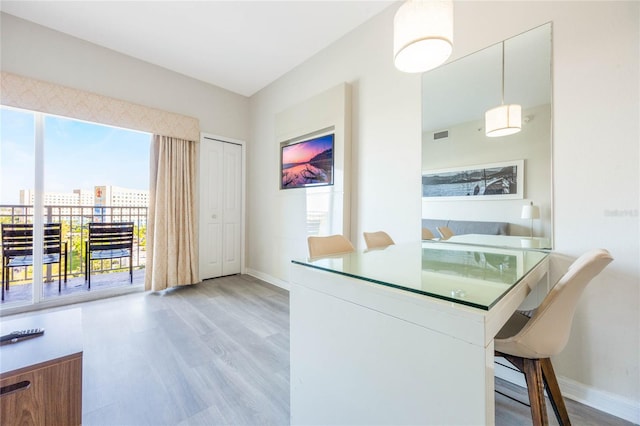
x=481, y=183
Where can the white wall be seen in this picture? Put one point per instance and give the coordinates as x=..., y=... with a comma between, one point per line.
x=41, y=53
x=595, y=161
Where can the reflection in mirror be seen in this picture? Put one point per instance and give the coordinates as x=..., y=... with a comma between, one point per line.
x=476, y=184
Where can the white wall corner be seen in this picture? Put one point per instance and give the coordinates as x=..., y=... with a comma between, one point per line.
x=268, y=278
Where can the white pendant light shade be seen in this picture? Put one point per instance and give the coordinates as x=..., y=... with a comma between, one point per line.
x=422, y=34
x=503, y=120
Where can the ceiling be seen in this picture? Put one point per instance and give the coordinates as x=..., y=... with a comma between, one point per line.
x=241, y=46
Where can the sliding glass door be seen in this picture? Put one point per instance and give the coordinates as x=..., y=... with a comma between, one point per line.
x=68, y=173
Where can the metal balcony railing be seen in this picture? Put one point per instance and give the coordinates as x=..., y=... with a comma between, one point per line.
x=75, y=230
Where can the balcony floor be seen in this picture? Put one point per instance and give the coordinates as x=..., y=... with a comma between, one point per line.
x=75, y=285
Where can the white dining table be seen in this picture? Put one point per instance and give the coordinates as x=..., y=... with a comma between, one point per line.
x=404, y=334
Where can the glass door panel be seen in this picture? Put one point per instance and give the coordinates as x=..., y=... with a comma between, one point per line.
x=94, y=173
x=17, y=183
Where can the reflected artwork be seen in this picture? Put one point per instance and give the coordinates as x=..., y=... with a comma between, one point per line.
x=502, y=180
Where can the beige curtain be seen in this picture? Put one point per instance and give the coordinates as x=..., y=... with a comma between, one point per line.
x=171, y=231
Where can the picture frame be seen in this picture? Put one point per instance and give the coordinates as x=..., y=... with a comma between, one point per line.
x=493, y=181
x=307, y=162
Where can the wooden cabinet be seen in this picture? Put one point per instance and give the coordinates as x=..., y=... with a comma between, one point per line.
x=49, y=394
x=41, y=378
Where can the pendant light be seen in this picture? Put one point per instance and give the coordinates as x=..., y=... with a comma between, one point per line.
x=422, y=34
x=505, y=119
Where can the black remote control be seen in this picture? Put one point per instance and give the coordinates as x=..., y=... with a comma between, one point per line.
x=15, y=336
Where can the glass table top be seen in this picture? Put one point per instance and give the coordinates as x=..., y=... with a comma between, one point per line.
x=477, y=276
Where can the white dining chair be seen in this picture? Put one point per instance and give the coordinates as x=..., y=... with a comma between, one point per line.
x=445, y=232
x=377, y=239
x=528, y=342
x=427, y=234
x=329, y=245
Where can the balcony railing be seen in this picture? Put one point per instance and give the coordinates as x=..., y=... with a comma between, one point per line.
x=75, y=230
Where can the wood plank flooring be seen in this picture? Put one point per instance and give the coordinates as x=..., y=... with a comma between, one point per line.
x=212, y=353
x=215, y=353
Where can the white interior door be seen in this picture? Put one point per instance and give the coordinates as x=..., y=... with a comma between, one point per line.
x=220, y=208
x=211, y=158
x=232, y=209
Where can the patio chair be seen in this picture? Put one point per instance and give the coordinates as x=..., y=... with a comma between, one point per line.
x=110, y=240
x=17, y=249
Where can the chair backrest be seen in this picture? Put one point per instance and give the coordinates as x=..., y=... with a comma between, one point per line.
x=377, y=239
x=326, y=246
x=547, y=332
x=110, y=236
x=427, y=234
x=17, y=239
x=445, y=232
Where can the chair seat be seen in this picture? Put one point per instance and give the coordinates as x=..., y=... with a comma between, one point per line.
x=505, y=344
x=28, y=260
x=109, y=254
x=513, y=325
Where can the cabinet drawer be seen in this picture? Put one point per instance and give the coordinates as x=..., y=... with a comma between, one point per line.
x=48, y=394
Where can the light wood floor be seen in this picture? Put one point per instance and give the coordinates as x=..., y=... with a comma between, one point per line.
x=215, y=353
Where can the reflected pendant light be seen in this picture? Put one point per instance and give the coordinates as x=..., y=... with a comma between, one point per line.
x=422, y=34
x=505, y=119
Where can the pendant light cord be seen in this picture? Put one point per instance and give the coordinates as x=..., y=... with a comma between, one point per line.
x=502, y=72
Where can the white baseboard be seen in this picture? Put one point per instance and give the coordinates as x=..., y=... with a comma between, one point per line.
x=607, y=402
x=268, y=278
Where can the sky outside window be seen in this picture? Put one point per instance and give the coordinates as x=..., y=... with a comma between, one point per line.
x=77, y=155
x=17, y=135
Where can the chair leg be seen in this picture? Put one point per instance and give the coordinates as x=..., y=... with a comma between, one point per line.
x=87, y=266
x=535, y=386
x=533, y=374
x=86, y=261
x=5, y=279
x=553, y=391
x=66, y=259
